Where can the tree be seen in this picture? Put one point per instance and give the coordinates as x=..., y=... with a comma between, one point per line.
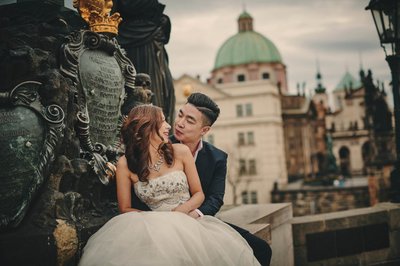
x=238, y=168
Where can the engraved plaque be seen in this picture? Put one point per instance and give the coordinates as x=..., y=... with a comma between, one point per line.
x=22, y=137
x=103, y=84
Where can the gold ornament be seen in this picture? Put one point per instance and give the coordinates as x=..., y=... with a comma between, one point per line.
x=187, y=90
x=97, y=14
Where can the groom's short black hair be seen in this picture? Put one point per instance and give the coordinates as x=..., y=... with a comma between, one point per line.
x=206, y=106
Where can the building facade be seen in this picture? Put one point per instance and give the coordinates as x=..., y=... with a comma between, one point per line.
x=246, y=81
x=361, y=126
x=299, y=116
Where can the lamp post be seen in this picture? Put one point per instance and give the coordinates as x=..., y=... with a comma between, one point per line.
x=386, y=15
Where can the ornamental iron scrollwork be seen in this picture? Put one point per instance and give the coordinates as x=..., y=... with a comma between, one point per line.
x=30, y=134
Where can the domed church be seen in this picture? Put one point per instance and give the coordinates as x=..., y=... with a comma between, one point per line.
x=246, y=82
x=248, y=56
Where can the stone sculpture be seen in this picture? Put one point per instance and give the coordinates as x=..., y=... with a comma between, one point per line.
x=65, y=87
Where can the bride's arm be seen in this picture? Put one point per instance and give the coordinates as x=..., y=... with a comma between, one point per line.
x=124, y=184
x=193, y=179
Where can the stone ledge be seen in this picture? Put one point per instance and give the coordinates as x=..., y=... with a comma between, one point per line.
x=274, y=214
x=270, y=222
x=350, y=224
x=385, y=212
x=262, y=231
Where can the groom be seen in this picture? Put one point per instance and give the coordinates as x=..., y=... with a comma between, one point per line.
x=192, y=122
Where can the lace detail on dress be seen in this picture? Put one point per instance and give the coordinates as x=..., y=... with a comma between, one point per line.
x=165, y=192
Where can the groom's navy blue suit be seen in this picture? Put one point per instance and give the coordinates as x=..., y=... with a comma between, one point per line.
x=211, y=166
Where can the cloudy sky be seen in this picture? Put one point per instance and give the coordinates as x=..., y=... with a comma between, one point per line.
x=340, y=34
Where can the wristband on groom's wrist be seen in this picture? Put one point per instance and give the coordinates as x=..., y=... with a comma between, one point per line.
x=199, y=212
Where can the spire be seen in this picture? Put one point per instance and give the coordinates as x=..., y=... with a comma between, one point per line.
x=361, y=63
x=319, y=76
x=320, y=88
x=362, y=73
x=245, y=21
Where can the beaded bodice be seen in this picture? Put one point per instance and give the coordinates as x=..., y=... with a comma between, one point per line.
x=165, y=192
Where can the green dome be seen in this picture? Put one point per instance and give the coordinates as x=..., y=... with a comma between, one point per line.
x=348, y=81
x=247, y=47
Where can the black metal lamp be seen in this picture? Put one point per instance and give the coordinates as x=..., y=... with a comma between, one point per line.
x=386, y=18
x=386, y=14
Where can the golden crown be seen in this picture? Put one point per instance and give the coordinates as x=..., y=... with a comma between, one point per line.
x=97, y=14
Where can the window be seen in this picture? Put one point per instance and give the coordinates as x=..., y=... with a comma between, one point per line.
x=220, y=81
x=239, y=110
x=250, y=138
x=265, y=75
x=333, y=129
x=249, y=109
x=245, y=139
x=241, y=78
x=242, y=167
x=210, y=139
x=339, y=102
x=292, y=145
x=252, y=167
x=241, y=140
x=244, y=110
x=245, y=197
x=253, y=199
x=249, y=198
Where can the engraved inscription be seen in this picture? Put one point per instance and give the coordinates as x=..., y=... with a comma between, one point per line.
x=103, y=84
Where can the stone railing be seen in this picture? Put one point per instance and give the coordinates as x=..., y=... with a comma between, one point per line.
x=364, y=236
x=309, y=200
x=270, y=222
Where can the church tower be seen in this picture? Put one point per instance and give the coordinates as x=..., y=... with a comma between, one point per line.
x=320, y=99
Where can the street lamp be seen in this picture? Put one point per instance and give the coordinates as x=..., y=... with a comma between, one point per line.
x=386, y=15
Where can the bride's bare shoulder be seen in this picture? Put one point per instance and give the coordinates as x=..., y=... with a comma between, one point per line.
x=180, y=149
x=123, y=170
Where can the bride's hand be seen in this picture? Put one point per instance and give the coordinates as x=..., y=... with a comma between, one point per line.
x=181, y=208
x=194, y=214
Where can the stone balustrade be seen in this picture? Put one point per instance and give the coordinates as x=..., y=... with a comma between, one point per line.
x=270, y=222
x=364, y=236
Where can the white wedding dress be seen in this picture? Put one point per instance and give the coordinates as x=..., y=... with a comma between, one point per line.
x=161, y=237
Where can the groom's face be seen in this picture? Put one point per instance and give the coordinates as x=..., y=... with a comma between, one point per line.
x=189, y=124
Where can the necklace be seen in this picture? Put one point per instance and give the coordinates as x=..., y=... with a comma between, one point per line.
x=157, y=165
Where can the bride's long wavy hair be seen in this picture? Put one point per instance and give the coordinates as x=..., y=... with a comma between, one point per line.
x=142, y=122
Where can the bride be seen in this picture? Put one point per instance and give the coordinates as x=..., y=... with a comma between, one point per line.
x=164, y=177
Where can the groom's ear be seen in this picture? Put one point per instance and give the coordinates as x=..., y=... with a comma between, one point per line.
x=204, y=130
